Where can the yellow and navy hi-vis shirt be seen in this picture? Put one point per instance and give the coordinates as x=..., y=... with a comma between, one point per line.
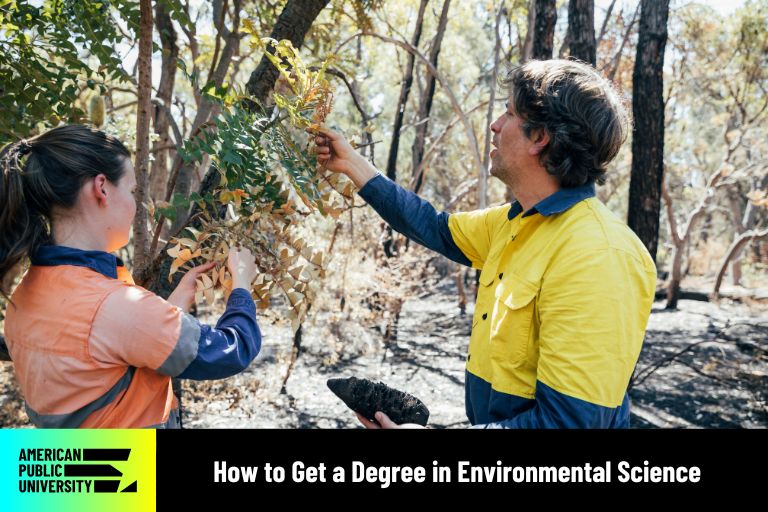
x=92, y=349
x=565, y=293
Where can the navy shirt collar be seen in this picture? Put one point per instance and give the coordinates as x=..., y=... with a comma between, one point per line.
x=556, y=203
x=100, y=261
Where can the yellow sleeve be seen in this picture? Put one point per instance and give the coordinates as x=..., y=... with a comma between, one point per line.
x=473, y=231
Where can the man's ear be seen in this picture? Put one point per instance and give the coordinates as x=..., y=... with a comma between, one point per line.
x=98, y=188
x=540, y=139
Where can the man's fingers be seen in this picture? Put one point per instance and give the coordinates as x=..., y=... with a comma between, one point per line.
x=327, y=133
x=384, y=420
x=367, y=424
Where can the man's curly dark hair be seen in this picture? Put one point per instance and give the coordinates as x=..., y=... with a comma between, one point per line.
x=582, y=112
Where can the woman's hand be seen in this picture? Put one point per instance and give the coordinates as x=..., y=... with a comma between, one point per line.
x=338, y=155
x=242, y=266
x=184, y=294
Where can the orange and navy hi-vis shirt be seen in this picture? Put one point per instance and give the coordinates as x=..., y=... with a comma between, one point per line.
x=92, y=349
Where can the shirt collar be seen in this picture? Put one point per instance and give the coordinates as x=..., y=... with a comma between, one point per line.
x=558, y=202
x=102, y=262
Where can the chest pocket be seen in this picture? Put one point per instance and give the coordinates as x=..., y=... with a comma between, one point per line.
x=512, y=321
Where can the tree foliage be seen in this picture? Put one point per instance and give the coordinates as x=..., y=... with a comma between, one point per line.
x=269, y=183
x=48, y=55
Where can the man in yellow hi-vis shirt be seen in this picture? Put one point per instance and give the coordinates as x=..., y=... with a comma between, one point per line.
x=566, y=288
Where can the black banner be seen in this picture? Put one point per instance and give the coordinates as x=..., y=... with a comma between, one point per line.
x=453, y=464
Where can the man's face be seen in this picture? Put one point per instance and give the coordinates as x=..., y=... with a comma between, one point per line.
x=511, y=146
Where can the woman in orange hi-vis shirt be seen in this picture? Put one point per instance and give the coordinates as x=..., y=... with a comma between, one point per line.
x=91, y=348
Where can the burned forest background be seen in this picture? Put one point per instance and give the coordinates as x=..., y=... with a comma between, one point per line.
x=217, y=130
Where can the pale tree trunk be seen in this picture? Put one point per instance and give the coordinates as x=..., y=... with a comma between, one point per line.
x=613, y=67
x=482, y=185
x=160, y=148
x=673, y=282
x=648, y=134
x=736, y=247
x=607, y=18
x=681, y=239
x=581, y=30
x=740, y=219
x=744, y=221
x=526, y=50
x=141, y=236
x=188, y=178
x=425, y=106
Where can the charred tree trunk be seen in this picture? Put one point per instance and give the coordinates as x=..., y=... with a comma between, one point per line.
x=581, y=30
x=425, y=107
x=4, y=355
x=405, y=90
x=648, y=133
x=292, y=24
x=544, y=29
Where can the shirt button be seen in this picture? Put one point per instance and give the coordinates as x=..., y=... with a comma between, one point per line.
x=501, y=275
x=485, y=315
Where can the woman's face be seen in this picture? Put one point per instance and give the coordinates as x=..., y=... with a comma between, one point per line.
x=122, y=208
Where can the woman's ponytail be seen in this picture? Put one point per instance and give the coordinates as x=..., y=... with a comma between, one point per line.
x=22, y=228
x=44, y=172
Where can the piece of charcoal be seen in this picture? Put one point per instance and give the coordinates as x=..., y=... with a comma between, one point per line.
x=366, y=397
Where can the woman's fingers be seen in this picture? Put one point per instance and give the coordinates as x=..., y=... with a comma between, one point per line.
x=201, y=268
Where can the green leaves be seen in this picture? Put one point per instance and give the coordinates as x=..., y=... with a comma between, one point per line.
x=268, y=180
x=41, y=69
